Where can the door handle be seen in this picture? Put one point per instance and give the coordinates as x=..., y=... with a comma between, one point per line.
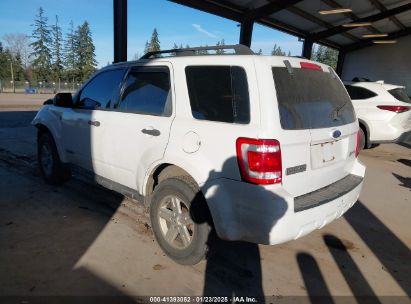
x=152, y=132
x=94, y=123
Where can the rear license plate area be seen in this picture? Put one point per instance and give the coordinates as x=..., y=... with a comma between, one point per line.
x=328, y=152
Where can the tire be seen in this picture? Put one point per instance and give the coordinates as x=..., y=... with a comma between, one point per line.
x=180, y=220
x=363, y=140
x=51, y=168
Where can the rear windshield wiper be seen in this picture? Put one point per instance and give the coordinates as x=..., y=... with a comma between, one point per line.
x=337, y=111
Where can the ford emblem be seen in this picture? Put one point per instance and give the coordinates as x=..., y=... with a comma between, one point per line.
x=336, y=133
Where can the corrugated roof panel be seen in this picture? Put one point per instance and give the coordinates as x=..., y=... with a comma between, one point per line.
x=385, y=26
x=340, y=40
x=405, y=18
x=295, y=20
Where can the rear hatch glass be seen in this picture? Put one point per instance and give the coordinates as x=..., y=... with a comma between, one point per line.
x=311, y=99
x=400, y=94
x=318, y=118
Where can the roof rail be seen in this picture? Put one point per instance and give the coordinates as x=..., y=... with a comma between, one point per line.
x=239, y=49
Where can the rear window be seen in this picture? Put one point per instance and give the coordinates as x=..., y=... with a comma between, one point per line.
x=359, y=93
x=310, y=99
x=400, y=94
x=218, y=93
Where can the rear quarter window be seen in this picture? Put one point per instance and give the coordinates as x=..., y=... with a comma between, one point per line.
x=218, y=93
x=400, y=94
x=359, y=93
x=310, y=99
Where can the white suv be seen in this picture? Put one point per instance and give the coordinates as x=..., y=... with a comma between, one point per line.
x=383, y=111
x=260, y=148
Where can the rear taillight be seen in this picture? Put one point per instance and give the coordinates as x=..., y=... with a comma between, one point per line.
x=310, y=66
x=357, y=145
x=396, y=109
x=259, y=160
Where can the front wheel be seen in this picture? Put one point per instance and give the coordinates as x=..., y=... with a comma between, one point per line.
x=51, y=168
x=180, y=233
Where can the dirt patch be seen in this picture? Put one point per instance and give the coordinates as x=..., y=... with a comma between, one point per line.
x=158, y=267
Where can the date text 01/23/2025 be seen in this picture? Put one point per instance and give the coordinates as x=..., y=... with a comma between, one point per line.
x=203, y=299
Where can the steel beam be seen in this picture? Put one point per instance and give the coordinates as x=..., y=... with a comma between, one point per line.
x=340, y=62
x=307, y=48
x=246, y=32
x=373, y=18
x=369, y=42
x=120, y=30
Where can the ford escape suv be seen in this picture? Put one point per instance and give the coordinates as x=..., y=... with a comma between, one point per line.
x=257, y=148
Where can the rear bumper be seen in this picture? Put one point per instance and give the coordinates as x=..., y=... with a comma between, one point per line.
x=404, y=137
x=266, y=214
x=390, y=130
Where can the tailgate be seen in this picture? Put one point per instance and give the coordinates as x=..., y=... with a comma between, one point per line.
x=319, y=127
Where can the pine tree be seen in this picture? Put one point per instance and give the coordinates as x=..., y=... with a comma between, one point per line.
x=326, y=55
x=5, y=58
x=221, y=51
x=146, y=48
x=86, y=62
x=56, y=50
x=41, y=47
x=260, y=52
x=69, y=53
x=277, y=51
x=154, y=44
x=175, y=46
x=18, y=69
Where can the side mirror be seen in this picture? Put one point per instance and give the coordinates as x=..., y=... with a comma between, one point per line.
x=64, y=100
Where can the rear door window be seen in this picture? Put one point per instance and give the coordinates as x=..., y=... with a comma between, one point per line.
x=310, y=99
x=218, y=93
x=400, y=94
x=359, y=93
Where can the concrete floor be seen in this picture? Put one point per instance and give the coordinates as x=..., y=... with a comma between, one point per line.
x=80, y=239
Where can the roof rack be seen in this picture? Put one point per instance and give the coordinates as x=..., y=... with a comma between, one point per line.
x=239, y=49
x=360, y=79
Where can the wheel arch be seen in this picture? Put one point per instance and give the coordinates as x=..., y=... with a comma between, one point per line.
x=364, y=126
x=161, y=172
x=42, y=128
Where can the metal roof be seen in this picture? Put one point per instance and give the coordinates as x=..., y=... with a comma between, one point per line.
x=301, y=18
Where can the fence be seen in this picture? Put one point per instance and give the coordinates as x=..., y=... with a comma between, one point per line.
x=38, y=87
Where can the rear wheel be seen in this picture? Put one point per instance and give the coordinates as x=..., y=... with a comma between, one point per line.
x=363, y=139
x=51, y=168
x=180, y=233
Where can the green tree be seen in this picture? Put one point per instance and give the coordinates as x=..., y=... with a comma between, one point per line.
x=18, y=69
x=277, y=51
x=56, y=50
x=260, y=52
x=5, y=58
x=154, y=44
x=175, y=46
x=220, y=43
x=41, y=47
x=69, y=53
x=85, y=52
x=325, y=55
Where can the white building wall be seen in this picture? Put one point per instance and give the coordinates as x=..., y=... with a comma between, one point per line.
x=388, y=62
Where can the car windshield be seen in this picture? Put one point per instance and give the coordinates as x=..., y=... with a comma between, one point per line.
x=400, y=94
x=310, y=99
